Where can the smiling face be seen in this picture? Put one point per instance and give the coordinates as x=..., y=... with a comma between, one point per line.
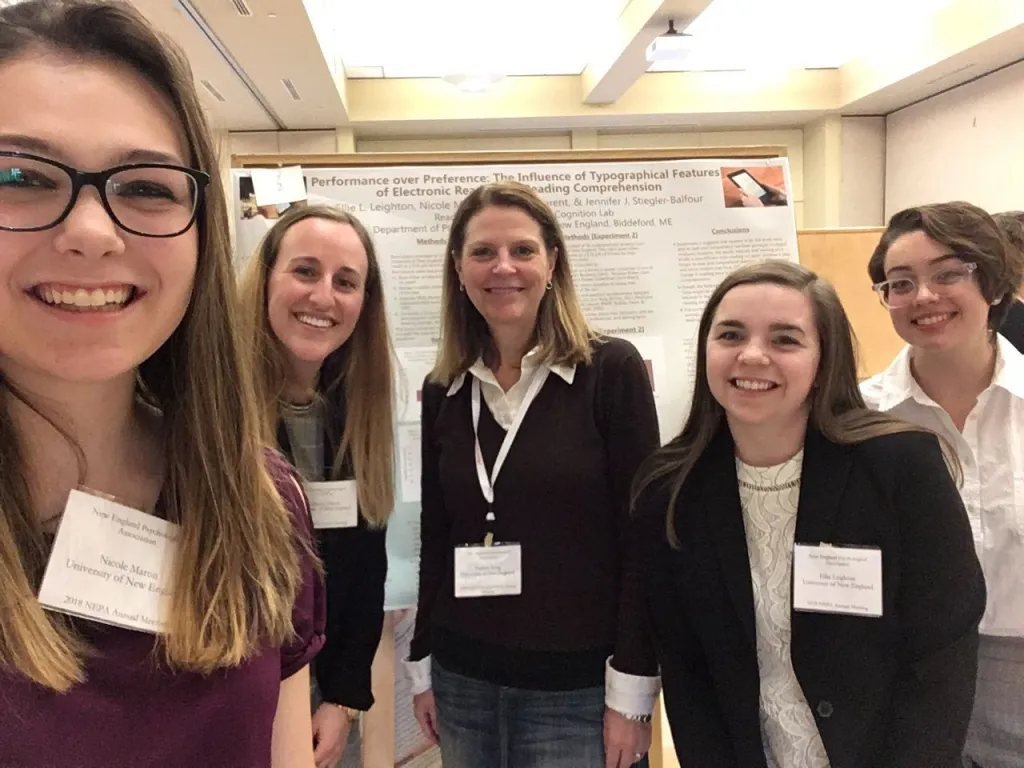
x=315, y=291
x=505, y=266
x=945, y=312
x=762, y=356
x=85, y=301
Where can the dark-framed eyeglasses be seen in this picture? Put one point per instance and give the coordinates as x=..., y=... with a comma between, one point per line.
x=147, y=199
x=901, y=291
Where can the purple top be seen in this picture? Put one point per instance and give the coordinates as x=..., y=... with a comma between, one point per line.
x=130, y=713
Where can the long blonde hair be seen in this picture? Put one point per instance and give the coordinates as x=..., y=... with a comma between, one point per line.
x=361, y=369
x=837, y=408
x=561, y=331
x=237, y=573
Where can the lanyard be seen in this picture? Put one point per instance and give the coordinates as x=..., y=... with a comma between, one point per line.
x=487, y=483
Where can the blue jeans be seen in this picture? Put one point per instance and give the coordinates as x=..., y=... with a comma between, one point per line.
x=483, y=725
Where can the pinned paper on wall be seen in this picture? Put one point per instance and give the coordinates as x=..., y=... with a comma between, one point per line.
x=273, y=186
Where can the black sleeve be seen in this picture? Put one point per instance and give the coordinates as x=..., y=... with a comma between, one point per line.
x=357, y=566
x=699, y=729
x=435, y=525
x=629, y=426
x=941, y=601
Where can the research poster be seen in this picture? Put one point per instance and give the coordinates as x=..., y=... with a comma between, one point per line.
x=647, y=243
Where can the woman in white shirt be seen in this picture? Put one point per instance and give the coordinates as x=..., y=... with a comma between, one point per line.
x=945, y=275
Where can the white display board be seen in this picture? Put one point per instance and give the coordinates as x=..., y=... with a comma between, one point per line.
x=647, y=242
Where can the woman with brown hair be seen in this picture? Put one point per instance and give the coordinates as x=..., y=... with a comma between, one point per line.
x=810, y=583
x=948, y=278
x=533, y=426
x=314, y=308
x=159, y=600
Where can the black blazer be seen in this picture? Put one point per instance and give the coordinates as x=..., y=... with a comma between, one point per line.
x=895, y=691
x=1013, y=326
x=356, y=566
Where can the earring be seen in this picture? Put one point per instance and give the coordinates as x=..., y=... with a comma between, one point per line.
x=462, y=287
x=549, y=285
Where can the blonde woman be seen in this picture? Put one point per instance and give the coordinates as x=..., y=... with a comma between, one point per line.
x=533, y=426
x=126, y=419
x=314, y=306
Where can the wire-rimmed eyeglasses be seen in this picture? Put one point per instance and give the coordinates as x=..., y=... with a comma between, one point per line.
x=147, y=199
x=900, y=291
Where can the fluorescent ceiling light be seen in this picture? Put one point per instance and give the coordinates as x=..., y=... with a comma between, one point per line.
x=419, y=38
x=794, y=34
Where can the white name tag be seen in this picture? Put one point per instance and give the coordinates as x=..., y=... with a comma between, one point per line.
x=830, y=579
x=333, y=504
x=111, y=563
x=489, y=571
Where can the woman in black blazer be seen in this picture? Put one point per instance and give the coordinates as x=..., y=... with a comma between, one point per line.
x=313, y=301
x=810, y=577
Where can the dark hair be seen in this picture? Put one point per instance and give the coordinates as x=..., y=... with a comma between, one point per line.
x=837, y=408
x=971, y=234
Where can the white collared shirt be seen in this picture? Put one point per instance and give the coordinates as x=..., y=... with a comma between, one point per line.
x=991, y=451
x=504, y=405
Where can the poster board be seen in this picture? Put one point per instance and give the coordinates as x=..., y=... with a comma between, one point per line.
x=649, y=235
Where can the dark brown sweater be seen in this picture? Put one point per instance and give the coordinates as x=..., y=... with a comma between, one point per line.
x=563, y=494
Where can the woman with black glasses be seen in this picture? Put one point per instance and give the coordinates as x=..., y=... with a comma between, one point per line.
x=159, y=596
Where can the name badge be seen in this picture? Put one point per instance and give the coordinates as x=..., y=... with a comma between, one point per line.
x=333, y=504
x=112, y=564
x=829, y=579
x=489, y=571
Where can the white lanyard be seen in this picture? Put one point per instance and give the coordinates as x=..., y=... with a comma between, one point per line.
x=487, y=483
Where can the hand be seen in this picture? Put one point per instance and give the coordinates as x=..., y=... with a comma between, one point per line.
x=625, y=741
x=777, y=196
x=750, y=202
x=331, y=725
x=425, y=709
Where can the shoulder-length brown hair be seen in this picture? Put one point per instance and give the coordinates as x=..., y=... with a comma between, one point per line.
x=969, y=233
x=237, y=573
x=561, y=331
x=361, y=369
x=837, y=409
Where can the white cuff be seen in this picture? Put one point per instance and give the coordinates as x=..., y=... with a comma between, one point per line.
x=419, y=674
x=630, y=694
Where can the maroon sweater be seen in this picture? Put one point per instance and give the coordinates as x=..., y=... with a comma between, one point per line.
x=134, y=713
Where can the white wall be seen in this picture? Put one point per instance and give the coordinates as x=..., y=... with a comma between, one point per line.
x=862, y=183
x=822, y=170
x=966, y=144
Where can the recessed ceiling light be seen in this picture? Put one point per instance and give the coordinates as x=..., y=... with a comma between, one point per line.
x=473, y=83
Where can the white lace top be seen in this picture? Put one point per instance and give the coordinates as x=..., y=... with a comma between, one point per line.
x=769, y=497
